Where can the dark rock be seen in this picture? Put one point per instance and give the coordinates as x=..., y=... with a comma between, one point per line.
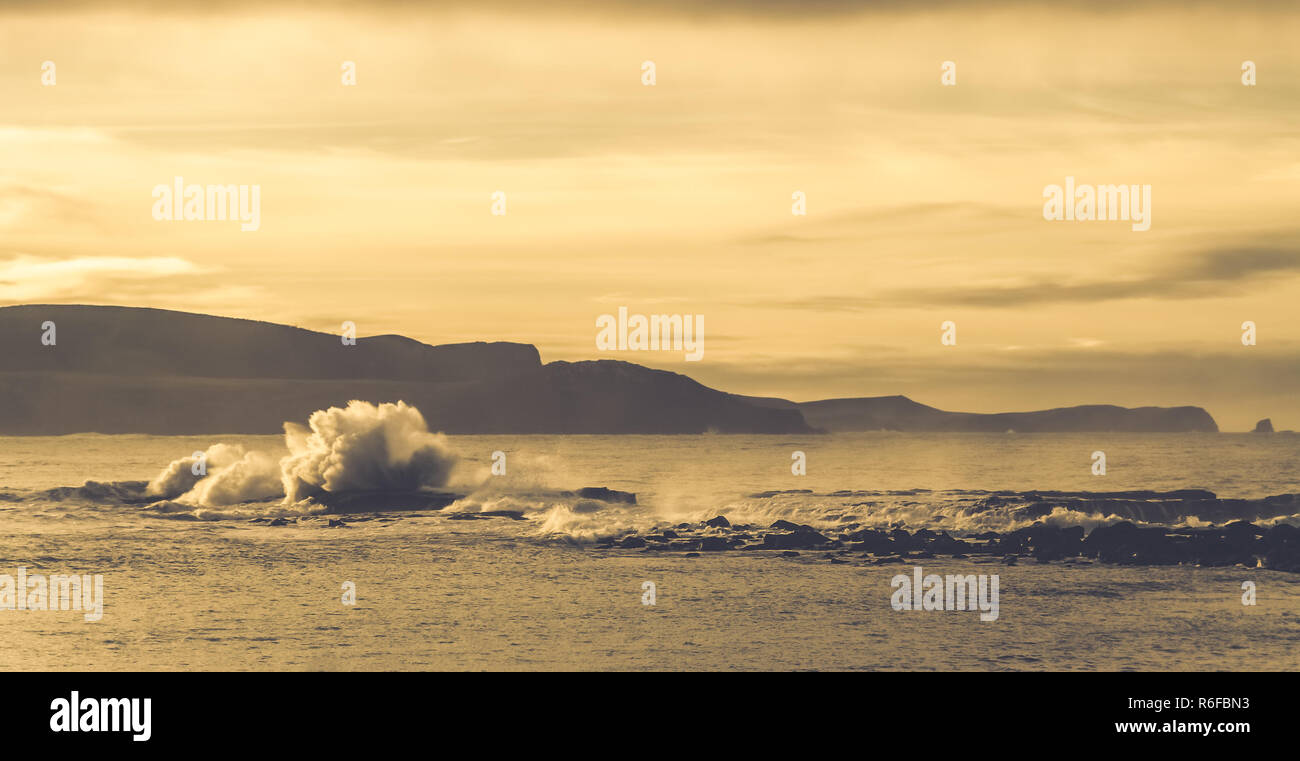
x=946, y=545
x=1238, y=537
x=1281, y=535
x=384, y=501
x=1238, y=542
x=1264, y=426
x=903, y=541
x=669, y=534
x=607, y=495
x=1128, y=544
x=789, y=554
x=514, y=515
x=335, y=523
x=691, y=555
x=278, y=522
x=1282, y=548
x=713, y=543
x=804, y=539
x=632, y=542
x=875, y=542
x=1045, y=542
x=718, y=522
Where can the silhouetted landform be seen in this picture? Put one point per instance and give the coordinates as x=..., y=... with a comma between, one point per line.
x=898, y=413
x=156, y=343
x=1236, y=542
x=152, y=371
x=128, y=370
x=1264, y=426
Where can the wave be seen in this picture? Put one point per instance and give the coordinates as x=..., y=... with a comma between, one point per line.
x=974, y=511
x=594, y=514
x=381, y=457
x=362, y=447
x=98, y=492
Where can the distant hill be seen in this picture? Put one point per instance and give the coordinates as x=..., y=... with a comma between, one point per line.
x=131, y=370
x=127, y=370
x=898, y=413
x=128, y=341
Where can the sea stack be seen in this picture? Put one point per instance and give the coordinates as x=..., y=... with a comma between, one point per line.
x=1264, y=426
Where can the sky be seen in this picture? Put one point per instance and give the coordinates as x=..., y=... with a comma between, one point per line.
x=924, y=201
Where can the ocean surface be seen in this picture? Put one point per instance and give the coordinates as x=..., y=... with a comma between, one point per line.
x=193, y=581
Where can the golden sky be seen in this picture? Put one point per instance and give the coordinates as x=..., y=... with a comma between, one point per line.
x=924, y=201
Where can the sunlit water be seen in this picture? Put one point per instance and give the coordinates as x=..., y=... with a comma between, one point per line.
x=207, y=589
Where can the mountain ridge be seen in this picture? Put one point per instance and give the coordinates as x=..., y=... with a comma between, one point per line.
x=119, y=369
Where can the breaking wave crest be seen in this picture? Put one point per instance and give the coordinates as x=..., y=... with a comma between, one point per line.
x=361, y=447
x=222, y=475
x=364, y=447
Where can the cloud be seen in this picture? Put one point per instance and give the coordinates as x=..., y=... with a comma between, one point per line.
x=27, y=279
x=756, y=9
x=861, y=224
x=28, y=204
x=1209, y=273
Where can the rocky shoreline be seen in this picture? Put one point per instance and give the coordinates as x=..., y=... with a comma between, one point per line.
x=1234, y=542
x=1124, y=543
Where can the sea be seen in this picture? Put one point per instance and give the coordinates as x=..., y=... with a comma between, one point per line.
x=200, y=579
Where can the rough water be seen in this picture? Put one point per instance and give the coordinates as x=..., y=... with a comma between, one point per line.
x=202, y=576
